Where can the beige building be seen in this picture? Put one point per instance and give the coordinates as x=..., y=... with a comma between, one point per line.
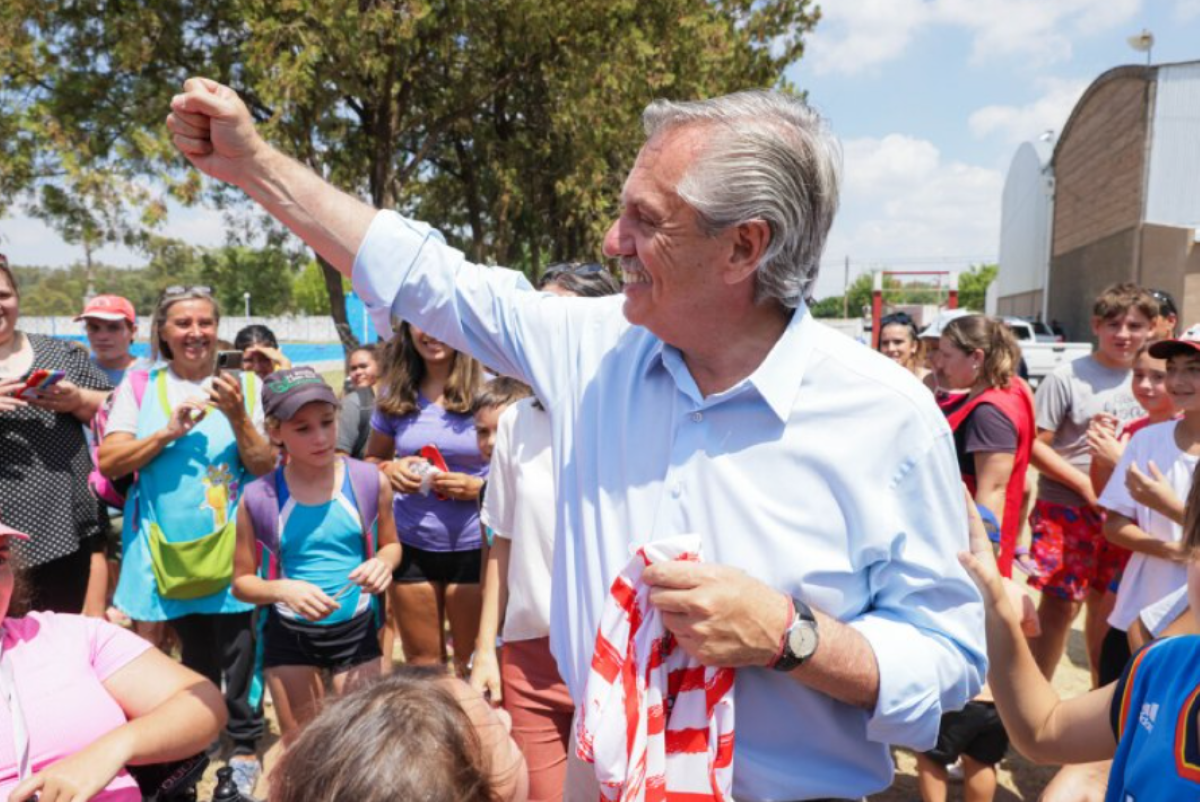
x=1124, y=199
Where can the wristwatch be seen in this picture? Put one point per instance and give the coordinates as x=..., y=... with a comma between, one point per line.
x=800, y=640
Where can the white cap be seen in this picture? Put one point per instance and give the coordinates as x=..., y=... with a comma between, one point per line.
x=940, y=322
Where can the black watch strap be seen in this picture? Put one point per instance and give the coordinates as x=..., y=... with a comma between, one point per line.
x=800, y=639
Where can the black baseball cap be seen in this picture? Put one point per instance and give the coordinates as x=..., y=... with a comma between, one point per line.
x=1186, y=343
x=285, y=391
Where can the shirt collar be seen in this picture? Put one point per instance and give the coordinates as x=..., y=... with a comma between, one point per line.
x=777, y=380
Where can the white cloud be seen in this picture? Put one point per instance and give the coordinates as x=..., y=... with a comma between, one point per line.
x=902, y=204
x=1187, y=10
x=854, y=36
x=1017, y=124
x=857, y=36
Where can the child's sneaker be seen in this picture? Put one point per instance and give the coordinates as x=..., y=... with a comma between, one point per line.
x=246, y=771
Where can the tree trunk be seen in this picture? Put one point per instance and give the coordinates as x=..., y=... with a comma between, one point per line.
x=337, y=305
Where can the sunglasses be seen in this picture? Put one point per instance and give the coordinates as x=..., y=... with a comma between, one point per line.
x=1166, y=302
x=574, y=268
x=179, y=289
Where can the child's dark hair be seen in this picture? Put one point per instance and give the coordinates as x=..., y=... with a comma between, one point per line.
x=1118, y=299
x=254, y=334
x=499, y=392
x=404, y=736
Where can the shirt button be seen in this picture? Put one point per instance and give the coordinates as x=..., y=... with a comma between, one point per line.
x=677, y=489
x=697, y=417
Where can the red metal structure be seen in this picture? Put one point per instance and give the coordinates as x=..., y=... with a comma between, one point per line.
x=877, y=294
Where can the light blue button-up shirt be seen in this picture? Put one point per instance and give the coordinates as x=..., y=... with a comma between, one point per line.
x=829, y=474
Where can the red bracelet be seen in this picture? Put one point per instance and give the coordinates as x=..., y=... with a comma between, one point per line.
x=787, y=624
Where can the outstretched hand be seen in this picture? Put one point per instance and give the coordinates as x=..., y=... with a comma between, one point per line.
x=213, y=128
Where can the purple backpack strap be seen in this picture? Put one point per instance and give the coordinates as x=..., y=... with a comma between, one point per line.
x=262, y=504
x=364, y=481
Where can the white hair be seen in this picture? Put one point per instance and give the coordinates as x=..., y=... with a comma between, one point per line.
x=769, y=157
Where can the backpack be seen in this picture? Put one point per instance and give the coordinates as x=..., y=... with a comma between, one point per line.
x=265, y=497
x=113, y=491
x=366, y=402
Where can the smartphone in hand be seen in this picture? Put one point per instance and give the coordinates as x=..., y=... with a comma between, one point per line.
x=38, y=381
x=229, y=361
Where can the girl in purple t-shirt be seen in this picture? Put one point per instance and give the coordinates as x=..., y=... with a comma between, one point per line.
x=426, y=393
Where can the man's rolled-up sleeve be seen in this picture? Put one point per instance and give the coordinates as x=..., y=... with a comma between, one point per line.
x=925, y=623
x=405, y=269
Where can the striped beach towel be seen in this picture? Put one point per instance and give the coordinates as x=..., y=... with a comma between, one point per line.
x=657, y=725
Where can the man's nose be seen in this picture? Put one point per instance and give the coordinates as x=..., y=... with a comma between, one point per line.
x=616, y=242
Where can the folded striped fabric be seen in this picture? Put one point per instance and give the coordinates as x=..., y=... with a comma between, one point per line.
x=657, y=725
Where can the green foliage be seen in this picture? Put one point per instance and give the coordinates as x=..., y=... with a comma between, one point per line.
x=510, y=124
x=973, y=285
x=268, y=274
x=309, y=294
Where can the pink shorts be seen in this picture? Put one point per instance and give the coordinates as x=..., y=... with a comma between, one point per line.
x=541, y=710
x=1070, y=549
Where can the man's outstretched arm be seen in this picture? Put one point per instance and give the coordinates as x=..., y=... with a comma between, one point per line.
x=212, y=127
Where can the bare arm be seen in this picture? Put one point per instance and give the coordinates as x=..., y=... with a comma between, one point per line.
x=993, y=469
x=254, y=450
x=485, y=668
x=173, y=713
x=1050, y=464
x=1042, y=726
x=1124, y=532
x=214, y=130
x=122, y=453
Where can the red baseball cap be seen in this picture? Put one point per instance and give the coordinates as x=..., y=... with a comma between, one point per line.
x=109, y=307
x=1186, y=343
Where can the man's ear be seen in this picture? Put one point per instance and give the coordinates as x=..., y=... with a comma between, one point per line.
x=750, y=242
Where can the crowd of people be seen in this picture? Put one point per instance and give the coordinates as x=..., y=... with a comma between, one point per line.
x=609, y=525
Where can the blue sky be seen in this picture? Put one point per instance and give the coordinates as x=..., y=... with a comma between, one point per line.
x=930, y=99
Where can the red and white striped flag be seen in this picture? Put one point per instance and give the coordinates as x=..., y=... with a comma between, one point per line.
x=657, y=725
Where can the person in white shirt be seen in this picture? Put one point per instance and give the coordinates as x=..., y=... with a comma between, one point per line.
x=707, y=400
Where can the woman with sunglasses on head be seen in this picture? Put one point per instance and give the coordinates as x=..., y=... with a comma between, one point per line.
x=43, y=483
x=899, y=341
x=425, y=406
x=193, y=438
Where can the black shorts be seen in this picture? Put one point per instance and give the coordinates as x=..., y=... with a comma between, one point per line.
x=446, y=567
x=975, y=731
x=337, y=647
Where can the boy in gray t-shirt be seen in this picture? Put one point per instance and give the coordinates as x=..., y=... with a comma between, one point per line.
x=1077, y=563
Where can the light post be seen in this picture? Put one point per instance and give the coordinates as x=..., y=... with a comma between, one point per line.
x=246, y=297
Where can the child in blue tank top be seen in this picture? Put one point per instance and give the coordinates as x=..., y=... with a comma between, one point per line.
x=321, y=568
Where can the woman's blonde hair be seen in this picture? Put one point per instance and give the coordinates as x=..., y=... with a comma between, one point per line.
x=1001, y=354
x=403, y=369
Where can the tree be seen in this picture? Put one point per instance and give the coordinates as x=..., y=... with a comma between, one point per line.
x=509, y=123
x=973, y=285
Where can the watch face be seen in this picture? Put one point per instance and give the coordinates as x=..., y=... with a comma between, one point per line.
x=802, y=640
